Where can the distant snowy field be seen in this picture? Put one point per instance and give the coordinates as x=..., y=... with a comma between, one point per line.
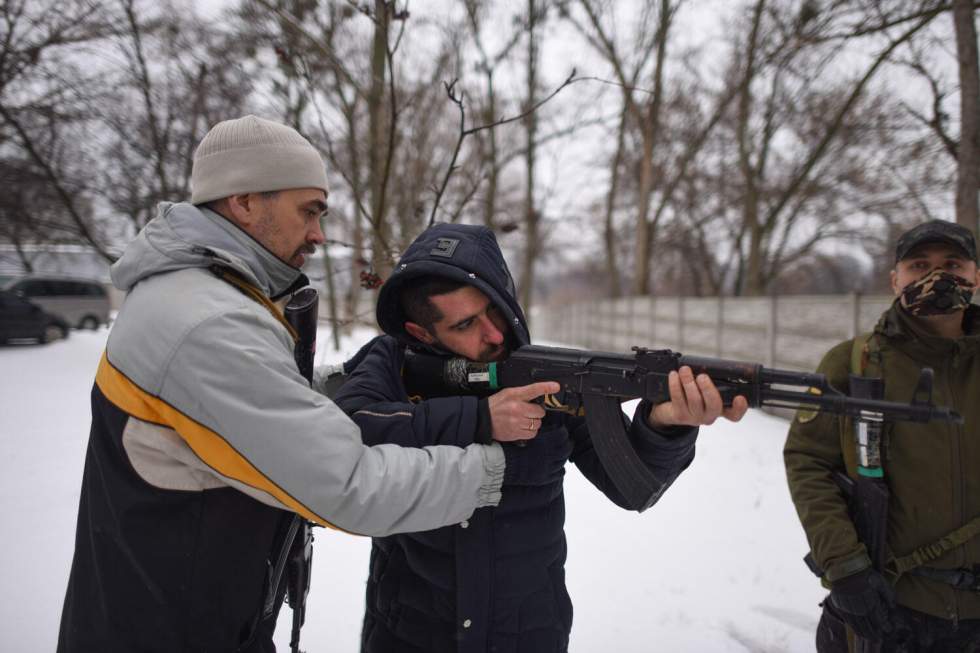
x=715, y=566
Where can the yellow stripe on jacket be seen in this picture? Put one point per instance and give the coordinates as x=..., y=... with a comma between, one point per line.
x=206, y=444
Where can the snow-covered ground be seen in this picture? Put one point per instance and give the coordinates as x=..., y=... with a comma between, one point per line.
x=715, y=566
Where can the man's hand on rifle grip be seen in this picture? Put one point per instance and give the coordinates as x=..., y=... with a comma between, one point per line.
x=694, y=401
x=514, y=414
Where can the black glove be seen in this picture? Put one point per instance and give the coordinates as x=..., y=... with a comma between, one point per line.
x=864, y=601
x=538, y=461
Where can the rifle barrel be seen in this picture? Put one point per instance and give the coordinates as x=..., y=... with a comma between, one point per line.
x=843, y=404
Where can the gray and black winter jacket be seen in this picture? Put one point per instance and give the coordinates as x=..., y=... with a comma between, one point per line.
x=205, y=440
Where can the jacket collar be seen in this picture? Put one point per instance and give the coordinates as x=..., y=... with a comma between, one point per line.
x=185, y=236
x=907, y=332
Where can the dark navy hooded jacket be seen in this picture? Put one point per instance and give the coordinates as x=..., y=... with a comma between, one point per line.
x=496, y=581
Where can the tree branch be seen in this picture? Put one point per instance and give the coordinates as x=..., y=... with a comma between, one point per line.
x=62, y=192
x=464, y=131
x=838, y=119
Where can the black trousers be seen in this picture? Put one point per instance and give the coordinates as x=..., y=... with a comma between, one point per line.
x=914, y=632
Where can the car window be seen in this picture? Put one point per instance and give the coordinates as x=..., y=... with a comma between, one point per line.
x=63, y=288
x=31, y=288
x=56, y=288
x=93, y=290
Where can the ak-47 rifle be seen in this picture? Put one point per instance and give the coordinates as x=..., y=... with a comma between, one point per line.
x=597, y=382
x=301, y=313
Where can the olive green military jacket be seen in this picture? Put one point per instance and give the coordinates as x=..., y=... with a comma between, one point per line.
x=932, y=470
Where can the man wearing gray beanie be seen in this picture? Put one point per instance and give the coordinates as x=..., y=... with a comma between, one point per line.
x=206, y=440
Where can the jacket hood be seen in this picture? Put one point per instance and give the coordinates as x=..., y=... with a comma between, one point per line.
x=187, y=236
x=466, y=253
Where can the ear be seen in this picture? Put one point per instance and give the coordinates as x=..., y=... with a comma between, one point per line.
x=894, y=280
x=243, y=209
x=419, y=332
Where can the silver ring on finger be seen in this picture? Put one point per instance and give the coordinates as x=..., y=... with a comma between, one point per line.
x=530, y=426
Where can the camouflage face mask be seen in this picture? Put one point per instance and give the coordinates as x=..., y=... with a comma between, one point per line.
x=937, y=293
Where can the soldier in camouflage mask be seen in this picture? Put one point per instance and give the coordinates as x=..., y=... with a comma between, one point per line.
x=930, y=469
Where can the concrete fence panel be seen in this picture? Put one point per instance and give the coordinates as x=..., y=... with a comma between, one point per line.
x=791, y=332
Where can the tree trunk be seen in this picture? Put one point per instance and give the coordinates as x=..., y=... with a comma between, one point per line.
x=968, y=164
x=357, y=257
x=641, y=266
x=25, y=260
x=331, y=297
x=531, y=215
x=650, y=127
x=750, y=197
x=609, y=232
x=380, y=259
x=489, y=116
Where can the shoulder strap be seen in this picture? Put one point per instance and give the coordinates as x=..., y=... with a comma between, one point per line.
x=236, y=280
x=866, y=355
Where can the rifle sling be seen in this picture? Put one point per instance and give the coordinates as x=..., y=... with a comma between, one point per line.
x=236, y=280
x=965, y=579
x=926, y=554
x=866, y=355
x=277, y=574
x=629, y=474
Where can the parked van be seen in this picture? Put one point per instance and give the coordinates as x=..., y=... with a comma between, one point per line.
x=80, y=303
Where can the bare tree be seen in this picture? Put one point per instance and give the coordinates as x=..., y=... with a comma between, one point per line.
x=44, y=106
x=178, y=79
x=643, y=106
x=487, y=65
x=371, y=84
x=780, y=188
x=968, y=170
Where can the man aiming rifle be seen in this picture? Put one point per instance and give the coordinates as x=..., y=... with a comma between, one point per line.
x=495, y=581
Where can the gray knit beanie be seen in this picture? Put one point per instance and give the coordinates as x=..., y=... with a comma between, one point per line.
x=253, y=155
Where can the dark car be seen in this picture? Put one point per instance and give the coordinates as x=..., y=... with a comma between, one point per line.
x=79, y=302
x=20, y=318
